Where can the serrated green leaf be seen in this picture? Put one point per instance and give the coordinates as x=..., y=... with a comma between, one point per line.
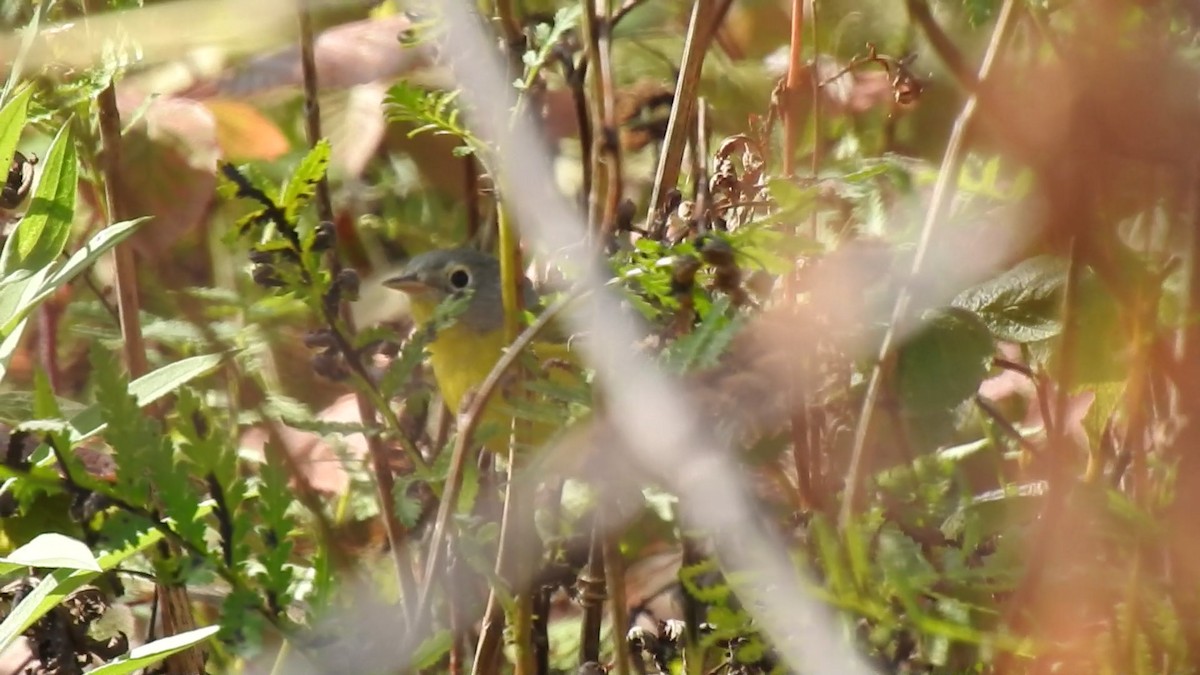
x=1023, y=304
x=407, y=509
x=705, y=345
x=693, y=577
x=43, y=233
x=302, y=184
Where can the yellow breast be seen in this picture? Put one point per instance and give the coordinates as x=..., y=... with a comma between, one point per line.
x=461, y=361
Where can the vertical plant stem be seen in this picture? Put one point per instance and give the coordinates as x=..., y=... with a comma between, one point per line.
x=791, y=116
x=506, y=12
x=614, y=575
x=816, y=106
x=803, y=450
x=174, y=604
x=49, y=315
x=939, y=206
x=380, y=467
x=695, y=47
x=1181, y=514
x=591, y=596
x=607, y=151
x=595, y=106
x=693, y=611
x=466, y=432
x=517, y=527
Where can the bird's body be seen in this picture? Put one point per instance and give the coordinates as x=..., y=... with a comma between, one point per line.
x=463, y=353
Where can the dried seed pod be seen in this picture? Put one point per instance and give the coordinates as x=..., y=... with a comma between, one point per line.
x=18, y=182
x=329, y=364
x=727, y=276
x=322, y=338
x=19, y=447
x=348, y=283
x=265, y=276
x=626, y=211
x=325, y=237
x=674, y=196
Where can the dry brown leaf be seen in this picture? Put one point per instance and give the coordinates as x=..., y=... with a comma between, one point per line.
x=243, y=133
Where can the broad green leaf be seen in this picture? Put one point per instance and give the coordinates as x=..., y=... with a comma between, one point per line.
x=19, y=298
x=57, y=585
x=17, y=407
x=147, y=389
x=54, y=550
x=42, y=234
x=936, y=370
x=9, y=345
x=12, y=122
x=148, y=655
x=16, y=64
x=944, y=363
x=1023, y=304
x=430, y=651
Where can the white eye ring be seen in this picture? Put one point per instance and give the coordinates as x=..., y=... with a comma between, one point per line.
x=459, y=277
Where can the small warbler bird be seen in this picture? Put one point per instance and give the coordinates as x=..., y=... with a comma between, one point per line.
x=464, y=353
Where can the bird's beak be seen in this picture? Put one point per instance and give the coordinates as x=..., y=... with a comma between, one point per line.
x=408, y=283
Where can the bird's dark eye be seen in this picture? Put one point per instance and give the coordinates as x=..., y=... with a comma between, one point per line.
x=459, y=278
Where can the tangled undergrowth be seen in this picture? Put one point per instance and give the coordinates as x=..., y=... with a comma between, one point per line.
x=882, y=320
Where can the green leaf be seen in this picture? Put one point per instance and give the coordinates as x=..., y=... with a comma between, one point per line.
x=429, y=652
x=12, y=123
x=148, y=655
x=42, y=234
x=696, y=580
x=302, y=184
x=54, y=550
x=17, y=406
x=944, y=363
x=704, y=346
x=57, y=585
x=147, y=389
x=1023, y=304
x=22, y=291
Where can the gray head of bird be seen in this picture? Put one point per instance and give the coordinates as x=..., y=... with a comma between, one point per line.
x=430, y=278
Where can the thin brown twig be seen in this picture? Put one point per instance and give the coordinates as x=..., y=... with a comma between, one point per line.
x=939, y=205
x=1006, y=426
x=175, y=605
x=595, y=106
x=791, y=116
x=695, y=47
x=470, y=420
x=942, y=45
x=614, y=577
x=592, y=595
x=803, y=452
x=384, y=482
x=609, y=149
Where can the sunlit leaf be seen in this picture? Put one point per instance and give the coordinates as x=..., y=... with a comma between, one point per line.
x=42, y=234
x=150, y=654
x=54, y=550
x=12, y=123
